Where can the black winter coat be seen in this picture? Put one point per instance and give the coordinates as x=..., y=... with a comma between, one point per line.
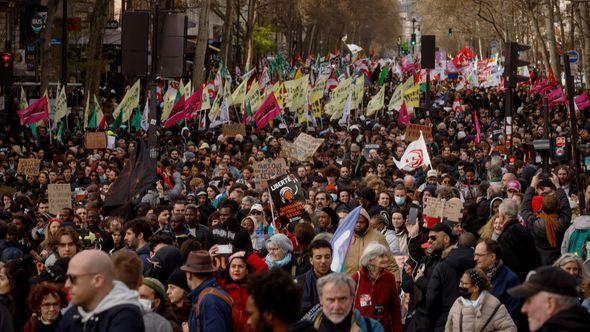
x=517, y=243
x=576, y=319
x=121, y=318
x=443, y=286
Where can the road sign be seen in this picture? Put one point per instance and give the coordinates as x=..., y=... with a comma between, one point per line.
x=573, y=56
x=494, y=44
x=38, y=21
x=55, y=41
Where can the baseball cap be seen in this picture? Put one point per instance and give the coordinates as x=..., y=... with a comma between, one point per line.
x=256, y=207
x=432, y=173
x=442, y=227
x=549, y=279
x=513, y=185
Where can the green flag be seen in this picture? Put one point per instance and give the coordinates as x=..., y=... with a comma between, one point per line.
x=136, y=120
x=383, y=75
x=92, y=121
x=118, y=122
x=60, y=133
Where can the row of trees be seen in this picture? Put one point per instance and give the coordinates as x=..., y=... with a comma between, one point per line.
x=252, y=29
x=550, y=27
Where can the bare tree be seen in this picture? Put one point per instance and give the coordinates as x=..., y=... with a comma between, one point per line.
x=95, y=63
x=201, y=48
x=46, y=67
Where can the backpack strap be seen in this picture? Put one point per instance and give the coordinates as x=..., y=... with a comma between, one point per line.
x=491, y=316
x=214, y=291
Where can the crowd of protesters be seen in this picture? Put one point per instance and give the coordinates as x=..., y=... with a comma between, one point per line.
x=204, y=250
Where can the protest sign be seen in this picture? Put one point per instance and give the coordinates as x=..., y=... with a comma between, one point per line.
x=413, y=132
x=28, y=166
x=96, y=140
x=306, y=145
x=233, y=129
x=439, y=208
x=266, y=170
x=367, y=150
x=59, y=196
x=287, y=196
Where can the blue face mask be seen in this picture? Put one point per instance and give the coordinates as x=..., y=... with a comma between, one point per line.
x=400, y=200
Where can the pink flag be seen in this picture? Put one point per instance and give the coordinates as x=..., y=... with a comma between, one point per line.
x=403, y=117
x=268, y=111
x=193, y=103
x=477, y=128
x=582, y=101
x=555, y=94
x=37, y=111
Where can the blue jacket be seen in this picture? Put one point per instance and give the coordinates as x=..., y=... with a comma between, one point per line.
x=308, y=283
x=214, y=312
x=503, y=280
x=119, y=311
x=144, y=255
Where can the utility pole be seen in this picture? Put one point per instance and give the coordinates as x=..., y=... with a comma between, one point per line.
x=569, y=84
x=64, y=44
x=153, y=114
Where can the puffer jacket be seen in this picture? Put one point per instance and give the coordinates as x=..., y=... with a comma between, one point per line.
x=119, y=311
x=490, y=315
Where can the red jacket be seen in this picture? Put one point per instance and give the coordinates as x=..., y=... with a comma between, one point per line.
x=378, y=299
x=239, y=296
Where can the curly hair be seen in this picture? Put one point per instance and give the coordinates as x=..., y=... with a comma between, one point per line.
x=269, y=291
x=479, y=279
x=40, y=291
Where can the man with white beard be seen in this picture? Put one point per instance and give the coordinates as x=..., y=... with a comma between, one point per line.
x=336, y=292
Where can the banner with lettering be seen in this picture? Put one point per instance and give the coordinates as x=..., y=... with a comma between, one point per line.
x=287, y=196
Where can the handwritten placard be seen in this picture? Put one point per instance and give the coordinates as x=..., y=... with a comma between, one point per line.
x=439, y=208
x=413, y=132
x=266, y=170
x=28, y=166
x=96, y=140
x=306, y=145
x=59, y=196
x=233, y=129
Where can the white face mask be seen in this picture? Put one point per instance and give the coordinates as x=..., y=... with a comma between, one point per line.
x=146, y=304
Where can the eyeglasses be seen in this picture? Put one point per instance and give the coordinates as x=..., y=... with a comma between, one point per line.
x=74, y=278
x=481, y=255
x=256, y=213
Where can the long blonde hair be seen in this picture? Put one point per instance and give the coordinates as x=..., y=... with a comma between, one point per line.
x=487, y=230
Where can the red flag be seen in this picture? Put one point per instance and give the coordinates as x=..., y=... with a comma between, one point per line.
x=268, y=111
x=477, y=128
x=463, y=57
x=552, y=79
x=187, y=108
x=37, y=111
x=403, y=117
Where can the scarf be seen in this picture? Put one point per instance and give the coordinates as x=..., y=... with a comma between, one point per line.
x=279, y=263
x=550, y=227
x=494, y=268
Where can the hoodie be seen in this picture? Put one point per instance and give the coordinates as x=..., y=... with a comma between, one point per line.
x=119, y=311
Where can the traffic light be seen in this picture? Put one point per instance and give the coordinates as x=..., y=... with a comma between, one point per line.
x=512, y=62
x=413, y=39
x=6, y=68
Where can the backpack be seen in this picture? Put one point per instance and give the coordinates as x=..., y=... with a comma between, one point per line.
x=238, y=318
x=577, y=242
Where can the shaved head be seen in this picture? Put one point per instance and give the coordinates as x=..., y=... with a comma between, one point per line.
x=90, y=278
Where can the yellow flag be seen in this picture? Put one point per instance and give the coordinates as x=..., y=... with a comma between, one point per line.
x=295, y=93
x=188, y=89
x=99, y=114
x=298, y=74
x=377, y=102
x=86, y=111
x=169, y=98
x=397, y=98
x=61, y=105
x=206, y=103
x=358, y=92
x=412, y=97
x=335, y=106
x=215, y=107
x=317, y=92
x=238, y=96
x=129, y=102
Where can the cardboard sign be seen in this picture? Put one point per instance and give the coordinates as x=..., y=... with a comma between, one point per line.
x=233, y=129
x=96, y=140
x=288, y=150
x=413, y=132
x=266, y=170
x=287, y=196
x=28, y=166
x=439, y=208
x=59, y=196
x=306, y=145
x=367, y=150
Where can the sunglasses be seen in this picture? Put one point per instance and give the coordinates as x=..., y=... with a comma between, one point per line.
x=256, y=213
x=74, y=278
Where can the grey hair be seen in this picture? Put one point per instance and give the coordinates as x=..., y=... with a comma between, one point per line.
x=336, y=279
x=568, y=258
x=324, y=236
x=508, y=208
x=249, y=200
x=281, y=241
x=373, y=249
x=564, y=302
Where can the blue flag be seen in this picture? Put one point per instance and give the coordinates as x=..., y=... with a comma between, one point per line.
x=341, y=239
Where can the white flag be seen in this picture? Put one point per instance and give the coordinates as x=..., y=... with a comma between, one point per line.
x=416, y=155
x=346, y=113
x=145, y=116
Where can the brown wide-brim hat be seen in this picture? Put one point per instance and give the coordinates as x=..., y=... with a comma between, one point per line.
x=199, y=262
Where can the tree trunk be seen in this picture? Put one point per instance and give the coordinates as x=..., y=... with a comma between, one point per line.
x=540, y=39
x=585, y=23
x=45, y=51
x=249, y=38
x=95, y=63
x=550, y=33
x=227, y=33
x=201, y=48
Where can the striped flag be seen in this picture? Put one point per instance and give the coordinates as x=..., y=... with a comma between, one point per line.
x=36, y=112
x=268, y=111
x=342, y=238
